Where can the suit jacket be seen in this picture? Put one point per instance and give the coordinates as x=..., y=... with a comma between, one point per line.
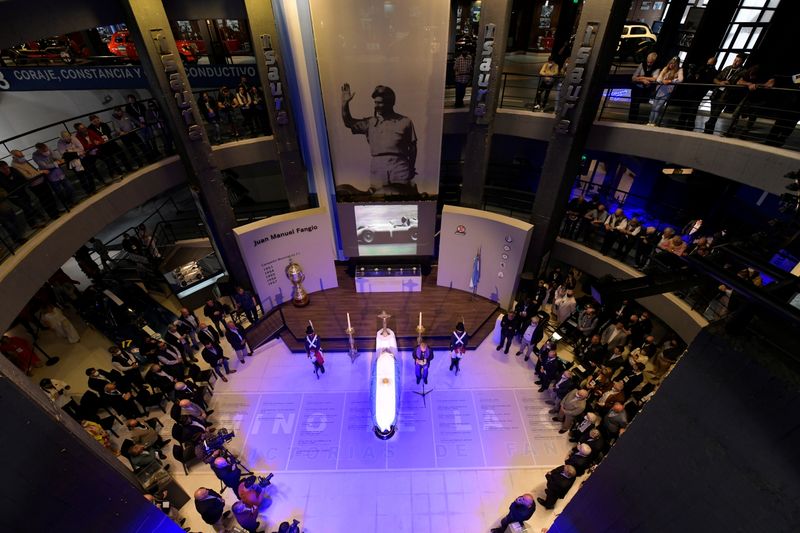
x=207, y=335
x=238, y=342
x=211, y=508
x=573, y=405
x=580, y=463
x=563, y=387
x=146, y=436
x=552, y=368
x=213, y=358
x=557, y=484
x=98, y=383
x=508, y=326
x=428, y=356
x=617, y=340
x=165, y=383
x=537, y=335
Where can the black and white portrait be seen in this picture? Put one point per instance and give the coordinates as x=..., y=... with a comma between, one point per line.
x=382, y=74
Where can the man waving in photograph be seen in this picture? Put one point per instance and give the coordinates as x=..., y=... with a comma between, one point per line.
x=391, y=137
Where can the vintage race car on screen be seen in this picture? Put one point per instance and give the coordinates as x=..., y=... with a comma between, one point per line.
x=404, y=230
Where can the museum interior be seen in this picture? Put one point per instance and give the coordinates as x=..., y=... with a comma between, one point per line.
x=555, y=243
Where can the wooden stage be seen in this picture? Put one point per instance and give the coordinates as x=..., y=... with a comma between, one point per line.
x=441, y=308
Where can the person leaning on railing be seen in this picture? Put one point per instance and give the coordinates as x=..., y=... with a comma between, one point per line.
x=691, y=94
x=36, y=181
x=723, y=95
x=547, y=78
x=15, y=184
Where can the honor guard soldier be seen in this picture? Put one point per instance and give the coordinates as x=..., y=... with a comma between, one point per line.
x=423, y=355
x=314, y=351
x=458, y=346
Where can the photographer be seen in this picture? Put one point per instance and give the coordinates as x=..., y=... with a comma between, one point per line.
x=246, y=515
x=228, y=473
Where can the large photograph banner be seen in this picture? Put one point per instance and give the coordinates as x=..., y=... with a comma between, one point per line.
x=267, y=246
x=382, y=72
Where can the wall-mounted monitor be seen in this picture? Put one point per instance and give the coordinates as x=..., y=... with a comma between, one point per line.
x=387, y=229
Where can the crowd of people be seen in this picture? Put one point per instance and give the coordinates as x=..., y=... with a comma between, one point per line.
x=239, y=112
x=617, y=365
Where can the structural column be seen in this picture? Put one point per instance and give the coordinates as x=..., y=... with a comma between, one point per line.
x=165, y=73
x=595, y=43
x=710, y=31
x=667, y=45
x=486, y=86
x=271, y=73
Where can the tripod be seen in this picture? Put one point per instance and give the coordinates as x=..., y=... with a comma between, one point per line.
x=424, y=393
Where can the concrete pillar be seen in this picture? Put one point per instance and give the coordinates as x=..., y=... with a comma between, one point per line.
x=667, y=45
x=710, y=31
x=486, y=85
x=83, y=486
x=161, y=63
x=595, y=44
x=271, y=72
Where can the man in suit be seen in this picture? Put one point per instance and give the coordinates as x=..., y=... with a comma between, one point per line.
x=99, y=378
x=519, y=511
x=124, y=363
x=614, y=335
x=140, y=432
x=524, y=310
x=616, y=359
x=206, y=334
x=551, y=370
x=157, y=377
x=559, y=481
x=123, y=403
x=614, y=395
x=171, y=361
x=508, y=328
x=561, y=388
x=215, y=312
x=187, y=390
x=595, y=441
x=210, y=505
x=227, y=472
x=615, y=420
x=235, y=336
x=587, y=321
x=580, y=459
x=531, y=337
x=573, y=404
x=592, y=353
x=212, y=354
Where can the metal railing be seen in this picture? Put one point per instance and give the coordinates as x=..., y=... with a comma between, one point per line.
x=767, y=115
x=119, y=155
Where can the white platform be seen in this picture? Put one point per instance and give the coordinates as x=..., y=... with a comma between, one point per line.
x=389, y=284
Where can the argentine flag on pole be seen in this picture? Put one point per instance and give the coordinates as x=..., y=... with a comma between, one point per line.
x=476, y=271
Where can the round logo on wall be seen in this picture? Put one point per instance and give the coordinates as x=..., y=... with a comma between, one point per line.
x=461, y=229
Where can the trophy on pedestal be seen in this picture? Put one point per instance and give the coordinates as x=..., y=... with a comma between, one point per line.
x=295, y=274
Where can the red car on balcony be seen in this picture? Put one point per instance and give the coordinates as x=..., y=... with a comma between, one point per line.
x=122, y=45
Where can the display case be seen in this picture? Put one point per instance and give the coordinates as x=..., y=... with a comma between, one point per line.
x=388, y=278
x=194, y=275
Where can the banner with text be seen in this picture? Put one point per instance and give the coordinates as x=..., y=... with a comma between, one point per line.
x=78, y=78
x=306, y=237
x=382, y=72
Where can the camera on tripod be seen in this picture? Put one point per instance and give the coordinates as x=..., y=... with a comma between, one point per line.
x=257, y=483
x=217, y=442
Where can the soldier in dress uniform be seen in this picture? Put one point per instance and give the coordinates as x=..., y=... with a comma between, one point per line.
x=423, y=355
x=458, y=346
x=314, y=351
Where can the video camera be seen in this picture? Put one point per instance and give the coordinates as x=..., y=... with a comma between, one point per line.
x=217, y=442
x=257, y=483
x=285, y=527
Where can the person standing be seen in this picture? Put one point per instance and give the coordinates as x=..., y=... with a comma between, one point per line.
x=462, y=68
x=208, y=108
x=644, y=79
x=246, y=515
x=423, y=355
x=458, y=346
x=723, y=95
x=53, y=318
x=246, y=303
x=210, y=505
x=547, y=78
x=245, y=104
x=390, y=135
x=215, y=312
x=508, y=328
x=669, y=76
x=187, y=324
x=573, y=404
x=314, y=350
x=519, y=511
x=72, y=152
x=559, y=481
x=213, y=355
x=692, y=94
x=49, y=162
x=235, y=336
x=564, y=306
x=13, y=181
x=531, y=337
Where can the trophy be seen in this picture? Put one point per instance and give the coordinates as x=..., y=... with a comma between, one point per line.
x=353, y=353
x=295, y=274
